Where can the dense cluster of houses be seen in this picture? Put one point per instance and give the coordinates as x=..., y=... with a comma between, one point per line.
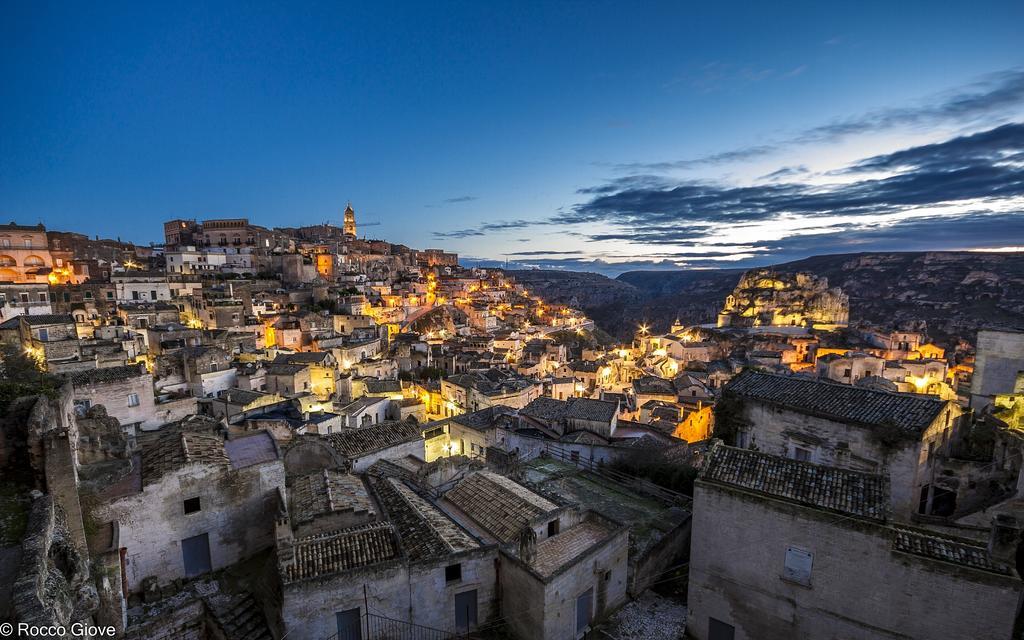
x=298, y=432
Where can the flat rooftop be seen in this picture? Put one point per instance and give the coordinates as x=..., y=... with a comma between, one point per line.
x=649, y=519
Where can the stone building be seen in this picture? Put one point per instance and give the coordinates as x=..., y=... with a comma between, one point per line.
x=479, y=390
x=193, y=503
x=50, y=339
x=998, y=365
x=561, y=569
x=765, y=297
x=413, y=570
x=208, y=370
x=126, y=392
x=322, y=370
x=360, y=448
x=24, y=299
x=24, y=253
x=140, y=286
x=788, y=549
x=900, y=435
x=563, y=417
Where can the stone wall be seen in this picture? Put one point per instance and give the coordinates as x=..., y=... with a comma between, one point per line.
x=591, y=572
x=1000, y=357
x=114, y=396
x=859, y=588
x=237, y=511
x=416, y=593
x=53, y=586
x=778, y=431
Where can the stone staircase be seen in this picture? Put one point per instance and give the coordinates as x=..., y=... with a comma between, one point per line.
x=238, y=616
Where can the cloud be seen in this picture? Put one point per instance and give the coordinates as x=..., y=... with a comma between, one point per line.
x=965, y=192
x=934, y=233
x=455, y=200
x=544, y=253
x=489, y=226
x=990, y=97
x=985, y=165
x=785, y=172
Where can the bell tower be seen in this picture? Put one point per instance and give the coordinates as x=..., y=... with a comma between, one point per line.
x=349, y=227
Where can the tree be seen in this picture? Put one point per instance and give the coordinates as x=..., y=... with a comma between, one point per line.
x=22, y=375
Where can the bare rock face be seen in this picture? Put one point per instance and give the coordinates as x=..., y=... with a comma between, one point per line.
x=53, y=586
x=100, y=437
x=766, y=297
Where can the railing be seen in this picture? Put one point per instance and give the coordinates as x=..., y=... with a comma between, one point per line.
x=383, y=628
x=377, y=627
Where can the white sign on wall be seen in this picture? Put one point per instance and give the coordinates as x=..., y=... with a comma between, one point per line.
x=798, y=565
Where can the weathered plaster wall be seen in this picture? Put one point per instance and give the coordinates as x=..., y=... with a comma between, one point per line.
x=859, y=588
x=237, y=511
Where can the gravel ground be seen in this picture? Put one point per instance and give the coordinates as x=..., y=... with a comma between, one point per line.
x=650, y=617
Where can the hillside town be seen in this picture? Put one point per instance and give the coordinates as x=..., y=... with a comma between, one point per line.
x=244, y=433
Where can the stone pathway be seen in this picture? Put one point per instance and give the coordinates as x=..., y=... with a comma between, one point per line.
x=649, y=617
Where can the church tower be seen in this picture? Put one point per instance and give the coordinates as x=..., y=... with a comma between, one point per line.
x=349, y=228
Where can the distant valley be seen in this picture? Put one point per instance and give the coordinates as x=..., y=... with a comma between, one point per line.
x=955, y=292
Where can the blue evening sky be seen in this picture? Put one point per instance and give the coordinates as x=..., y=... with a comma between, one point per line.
x=558, y=133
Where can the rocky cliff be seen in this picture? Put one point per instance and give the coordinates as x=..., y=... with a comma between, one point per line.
x=954, y=292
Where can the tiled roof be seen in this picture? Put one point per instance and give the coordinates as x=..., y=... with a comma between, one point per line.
x=248, y=450
x=852, y=492
x=285, y=369
x=302, y=357
x=910, y=413
x=341, y=550
x=361, y=403
x=545, y=408
x=654, y=384
x=175, y=450
x=424, y=530
x=939, y=547
x=565, y=548
x=48, y=318
x=587, y=409
x=241, y=396
x=354, y=443
x=383, y=386
x=499, y=505
x=107, y=374
x=483, y=419
x=584, y=366
x=327, y=491
x=492, y=382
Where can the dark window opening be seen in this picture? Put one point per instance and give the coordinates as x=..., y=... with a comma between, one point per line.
x=453, y=572
x=192, y=505
x=552, y=528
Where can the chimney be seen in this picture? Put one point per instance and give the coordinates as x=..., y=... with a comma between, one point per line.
x=1004, y=539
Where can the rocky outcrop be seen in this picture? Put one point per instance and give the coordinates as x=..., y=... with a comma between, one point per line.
x=100, y=437
x=767, y=297
x=53, y=586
